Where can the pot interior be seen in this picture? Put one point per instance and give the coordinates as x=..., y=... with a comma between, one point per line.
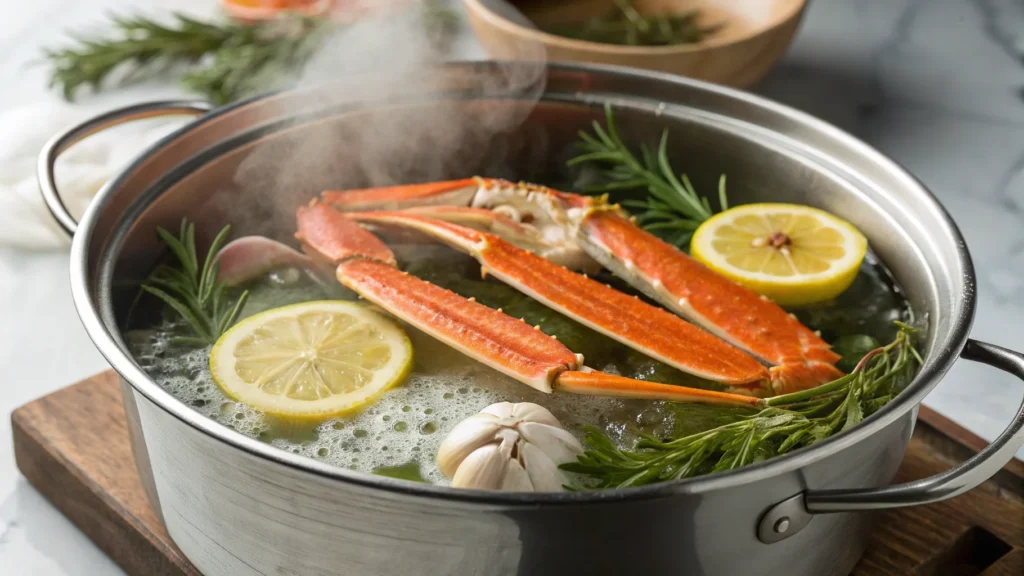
x=253, y=164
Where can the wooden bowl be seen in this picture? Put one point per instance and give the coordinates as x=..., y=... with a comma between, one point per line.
x=753, y=35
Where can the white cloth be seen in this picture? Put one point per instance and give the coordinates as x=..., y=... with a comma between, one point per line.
x=81, y=171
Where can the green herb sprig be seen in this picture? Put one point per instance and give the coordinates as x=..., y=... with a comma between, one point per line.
x=672, y=208
x=243, y=54
x=221, y=61
x=625, y=25
x=789, y=422
x=191, y=288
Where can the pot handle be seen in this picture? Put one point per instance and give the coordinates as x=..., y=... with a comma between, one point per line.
x=789, y=516
x=61, y=142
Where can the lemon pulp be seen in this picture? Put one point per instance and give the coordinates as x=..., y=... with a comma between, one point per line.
x=793, y=254
x=311, y=360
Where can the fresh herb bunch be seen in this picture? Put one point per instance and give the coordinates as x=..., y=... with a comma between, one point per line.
x=229, y=60
x=673, y=208
x=222, y=61
x=191, y=288
x=625, y=25
x=786, y=423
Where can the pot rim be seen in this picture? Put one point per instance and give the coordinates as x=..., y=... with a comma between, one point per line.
x=931, y=372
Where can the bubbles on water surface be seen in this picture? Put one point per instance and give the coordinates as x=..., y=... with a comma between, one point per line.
x=407, y=424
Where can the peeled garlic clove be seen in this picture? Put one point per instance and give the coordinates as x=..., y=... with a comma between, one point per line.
x=544, y=474
x=464, y=439
x=483, y=469
x=559, y=445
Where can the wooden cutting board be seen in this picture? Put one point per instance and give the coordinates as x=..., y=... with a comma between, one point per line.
x=73, y=447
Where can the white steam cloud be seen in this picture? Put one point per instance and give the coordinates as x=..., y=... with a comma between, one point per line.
x=382, y=113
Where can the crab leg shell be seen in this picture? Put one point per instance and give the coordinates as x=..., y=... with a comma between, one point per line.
x=629, y=320
x=594, y=383
x=740, y=316
x=530, y=219
x=447, y=193
x=728, y=310
x=487, y=335
x=366, y=266
x=504, y=343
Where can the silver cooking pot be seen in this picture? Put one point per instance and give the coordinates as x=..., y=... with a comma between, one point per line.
x=237, y=506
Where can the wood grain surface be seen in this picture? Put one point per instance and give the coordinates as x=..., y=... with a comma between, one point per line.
x=73, y=446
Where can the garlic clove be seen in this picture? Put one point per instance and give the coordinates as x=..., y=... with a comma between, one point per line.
x=559, y=445
x=516, y=478
x=499, y=409
x=464, y=439
x=529, y=412
x=544, y=474
x=483, y=469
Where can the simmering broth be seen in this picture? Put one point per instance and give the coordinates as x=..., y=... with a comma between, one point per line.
x=399, y=434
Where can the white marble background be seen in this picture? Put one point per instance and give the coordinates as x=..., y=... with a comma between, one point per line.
x=937, y=85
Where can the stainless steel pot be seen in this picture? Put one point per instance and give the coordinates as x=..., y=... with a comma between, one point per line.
x=237, y=506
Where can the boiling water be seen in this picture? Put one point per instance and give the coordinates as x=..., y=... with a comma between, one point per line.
x=399, y=434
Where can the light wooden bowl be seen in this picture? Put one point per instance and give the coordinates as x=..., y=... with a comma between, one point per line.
x=754, y=34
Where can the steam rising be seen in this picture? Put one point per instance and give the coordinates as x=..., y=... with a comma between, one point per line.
x=382, y=110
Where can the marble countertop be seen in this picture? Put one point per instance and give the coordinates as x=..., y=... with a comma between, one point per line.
x=938, y=85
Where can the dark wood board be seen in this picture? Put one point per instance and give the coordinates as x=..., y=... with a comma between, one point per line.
x=73, y=446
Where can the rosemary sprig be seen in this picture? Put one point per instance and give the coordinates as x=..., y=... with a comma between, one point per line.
x=229, y=60
x=220, y=61
x=191, y=288
x=672, y=208
x=625, y=25
x=261, y=59
x=789, y=422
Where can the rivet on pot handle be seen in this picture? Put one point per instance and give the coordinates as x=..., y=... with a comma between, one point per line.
x=789, y=516
x=61, y=142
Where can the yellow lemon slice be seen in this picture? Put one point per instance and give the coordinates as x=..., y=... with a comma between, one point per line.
x=793, y=254
x=311, y=360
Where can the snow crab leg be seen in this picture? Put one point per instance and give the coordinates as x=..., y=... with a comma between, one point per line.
x=629, y=320
x=509, y=345
x=800, y=359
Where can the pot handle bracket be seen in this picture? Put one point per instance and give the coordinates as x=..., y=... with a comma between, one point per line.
x=790, y=516
x=61, y=142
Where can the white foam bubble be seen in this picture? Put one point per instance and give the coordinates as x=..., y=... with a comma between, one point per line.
x=407, y=424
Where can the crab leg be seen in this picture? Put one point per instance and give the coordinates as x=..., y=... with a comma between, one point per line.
x=629, y=320
x=728, y=310
x=509, y=345
x=736, y=314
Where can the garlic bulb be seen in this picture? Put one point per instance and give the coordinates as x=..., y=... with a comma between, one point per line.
x=512, y=447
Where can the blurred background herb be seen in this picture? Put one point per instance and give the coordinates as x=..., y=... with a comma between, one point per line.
x=221, y=61
x=625, y=25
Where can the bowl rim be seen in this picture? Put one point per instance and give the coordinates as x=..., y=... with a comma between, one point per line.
x=110, y=346
x=547, y=38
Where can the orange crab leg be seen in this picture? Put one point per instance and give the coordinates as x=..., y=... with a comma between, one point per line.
x=801, y=358
x=504, y=343
x=447, y=193
x=730, y=311
x=629, y=320
x=596, y=383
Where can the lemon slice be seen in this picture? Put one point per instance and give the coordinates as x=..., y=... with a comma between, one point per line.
x=311, y=360
x=793, y=254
